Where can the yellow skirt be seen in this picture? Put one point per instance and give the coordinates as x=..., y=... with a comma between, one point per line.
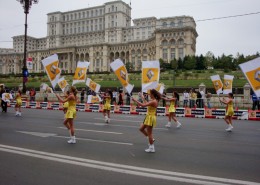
x=150, y=120
x=107, y=107
x=18, y=103
x=230, y=112
x=71, y=113
x=172, y=109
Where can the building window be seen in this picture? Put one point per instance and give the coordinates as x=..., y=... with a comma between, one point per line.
x=180, y=41
x=172, y=24
x=181, y=54
x=164, y=43
x=164, y=24
x=180, y=23
x=165, y=54
x=172, y=53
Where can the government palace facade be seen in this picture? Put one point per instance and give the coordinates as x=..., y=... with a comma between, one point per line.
x=100, y=35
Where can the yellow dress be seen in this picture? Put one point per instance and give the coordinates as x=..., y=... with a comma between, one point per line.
x=230, y=110
x=150, y=118
x=18, y=100
x=65, y=105
x=107, y=105
x=172, y=106
x=71, y=112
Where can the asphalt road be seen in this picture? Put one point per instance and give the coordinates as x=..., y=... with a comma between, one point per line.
x=34, y=151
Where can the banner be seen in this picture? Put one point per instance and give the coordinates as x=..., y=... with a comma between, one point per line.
x=120, y=71
x=80, y=72
x=160, y=88
x=150, y=75
x=218, y=85
x=94, y=99
x=228, y=81
x=29, y=63
x=93, y=85
x=251, y=71
x=63, y=84
x=51, y=67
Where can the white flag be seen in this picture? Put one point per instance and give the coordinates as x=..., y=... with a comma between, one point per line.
x=120, y=71
x=51, y=67
x=218, y=85
x=93, y=85
x=228, y=83
x=160, y=88
x=251, y=71
x=63, y=84
x=94, y=99
x=80, y=72
x=150, y=75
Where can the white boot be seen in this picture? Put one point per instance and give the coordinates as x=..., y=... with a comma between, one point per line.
x=16, y=113
x=230, y=127
x=72, y=140
x=168, y=125
x=178, y=124
x=151, y=149
x=106, y=119
x=19, y=114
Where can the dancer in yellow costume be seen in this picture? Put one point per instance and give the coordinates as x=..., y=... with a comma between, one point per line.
x=66, y=104
x=230, y=111
x=107, y=106
x=18, y=104
x=71, y=112
x=172, y=110
x=150, y=119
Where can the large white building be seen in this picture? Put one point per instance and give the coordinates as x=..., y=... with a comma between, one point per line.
x=101, y=34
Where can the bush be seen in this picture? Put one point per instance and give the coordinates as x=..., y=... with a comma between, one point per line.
x=226, y=70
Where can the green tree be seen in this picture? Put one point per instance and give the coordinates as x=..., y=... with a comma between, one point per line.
x=174, y=64
x=189, y=62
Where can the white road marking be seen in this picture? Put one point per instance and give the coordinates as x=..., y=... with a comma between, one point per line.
x=78, y=138
x=97, y=131
x=125, y=169
x=113, y=125
x=124, y=120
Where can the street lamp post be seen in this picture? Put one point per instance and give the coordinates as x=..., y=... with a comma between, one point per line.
x=26, y=5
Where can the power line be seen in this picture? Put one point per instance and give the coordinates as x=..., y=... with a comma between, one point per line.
x=226, y=17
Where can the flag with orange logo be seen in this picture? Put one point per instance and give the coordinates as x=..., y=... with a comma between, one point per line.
x=80, y=72
x=93, y=85
x=251, y=70
x=51, y=66
x=63, y=84
x=228, y=82
x=218, y=85
x=150, y=75
x=120, y=70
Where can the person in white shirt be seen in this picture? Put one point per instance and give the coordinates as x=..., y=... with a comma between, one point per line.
x=6, y=98
x=186, y=97
x=114, y=97
x=202, y=99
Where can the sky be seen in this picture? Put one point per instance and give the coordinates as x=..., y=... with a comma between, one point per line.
x=220, y=36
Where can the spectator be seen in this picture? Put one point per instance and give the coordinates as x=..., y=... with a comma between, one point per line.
x=193, y=97
x=255, y=102
x=32, y=94
x=198, y=100
x=202, y=99
x=128, y=98
x=114, y=97
x=120, y=98
x=6, y=98
x=208, y=97
x=82, y=95
x=186, y=98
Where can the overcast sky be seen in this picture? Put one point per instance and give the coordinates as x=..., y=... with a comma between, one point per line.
x=228, y=36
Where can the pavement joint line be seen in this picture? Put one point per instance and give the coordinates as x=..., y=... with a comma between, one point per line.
x=126, y=169
x=97, y=131
x=121, y=120
x=126, y=126
x=45, y=135
x=95, y=140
